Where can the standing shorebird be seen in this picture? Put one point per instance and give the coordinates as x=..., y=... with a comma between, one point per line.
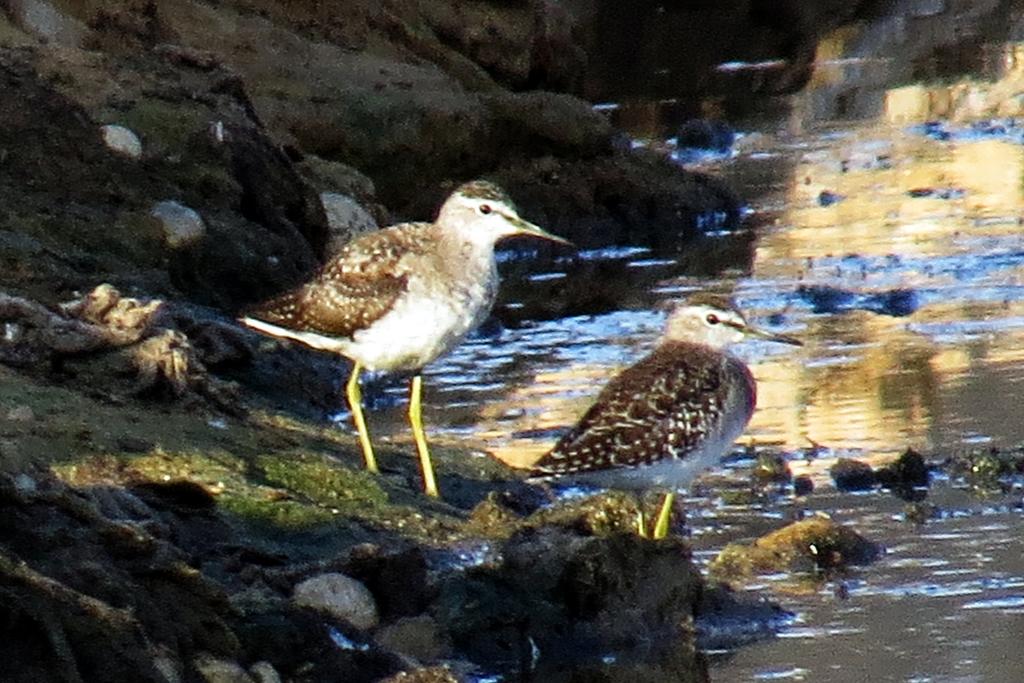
x=673, y=414
x=398, y=298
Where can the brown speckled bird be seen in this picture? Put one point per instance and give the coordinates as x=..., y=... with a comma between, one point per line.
x=671, y=415
x=398, y=298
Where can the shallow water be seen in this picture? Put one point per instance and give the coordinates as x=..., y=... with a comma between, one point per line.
x=895, y=251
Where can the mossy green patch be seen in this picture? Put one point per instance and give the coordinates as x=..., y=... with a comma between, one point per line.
x=165, y=124
x=322, y=480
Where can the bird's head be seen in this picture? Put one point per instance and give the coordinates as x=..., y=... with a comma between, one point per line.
x=481, y=210
x=715, y=321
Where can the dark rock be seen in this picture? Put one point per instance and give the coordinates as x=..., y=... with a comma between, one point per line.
x=852, y=475
x=895, y=302
x=103, y=592
x=920, y=512
x=572, y=598
x=53, y=144
x=803, y=485
x=727, y=619
x=937, y=192
x=397, y=577
x=705, y=134
x=183, y=496
x=623, y=198
x=828, y=198
x=826, y=299
x=908, y=471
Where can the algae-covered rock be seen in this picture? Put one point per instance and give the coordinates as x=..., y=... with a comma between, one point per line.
x=771, y=468
x=598, y=515
x=806, y=545
x=985, y=470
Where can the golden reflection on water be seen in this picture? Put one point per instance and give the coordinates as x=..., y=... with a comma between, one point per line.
x=866, y=381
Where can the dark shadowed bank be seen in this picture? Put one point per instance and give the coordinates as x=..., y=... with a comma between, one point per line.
x=167, y=480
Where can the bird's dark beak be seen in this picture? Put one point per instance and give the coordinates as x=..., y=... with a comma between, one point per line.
x=527, y=228
x=771, y=336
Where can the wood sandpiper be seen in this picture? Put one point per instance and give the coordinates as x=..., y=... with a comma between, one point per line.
x=398, y=298
x=671, y=415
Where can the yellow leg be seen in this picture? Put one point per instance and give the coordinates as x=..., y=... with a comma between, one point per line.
x=416, y=420
x=664, y=516
x=641, y=518
x=355, y=403
x=641, y=524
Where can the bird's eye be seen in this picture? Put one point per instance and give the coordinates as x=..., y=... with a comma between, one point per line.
x=485, y=209
x=712, y=319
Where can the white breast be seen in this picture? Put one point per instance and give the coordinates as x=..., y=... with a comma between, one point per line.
x=425, y=323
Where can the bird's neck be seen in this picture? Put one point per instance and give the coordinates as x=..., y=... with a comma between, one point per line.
x=465, y=251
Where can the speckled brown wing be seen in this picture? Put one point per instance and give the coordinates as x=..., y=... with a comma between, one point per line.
x=663, y=406
x=355, y=288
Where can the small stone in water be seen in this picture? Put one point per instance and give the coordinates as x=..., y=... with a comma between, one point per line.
x=122, y=140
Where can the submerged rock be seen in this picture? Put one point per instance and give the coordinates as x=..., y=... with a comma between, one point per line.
x=810, y=544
